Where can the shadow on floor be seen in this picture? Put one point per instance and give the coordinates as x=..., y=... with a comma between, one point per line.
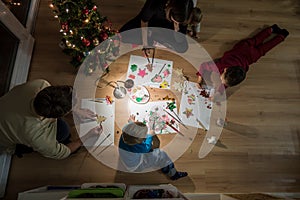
x=243, y=130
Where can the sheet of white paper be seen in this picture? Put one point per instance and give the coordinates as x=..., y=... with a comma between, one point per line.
x=144, y=111
x=101, y=109
x=195, y=106
x=158, y=76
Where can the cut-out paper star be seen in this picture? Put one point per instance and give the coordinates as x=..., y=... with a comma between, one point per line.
x=133, y=67
x=166, y=73
x=188, y=112
x=212, y=140
x=142, y=73
x=164, y=84
x=178, y=71
x=178, y=86
x=100, y=119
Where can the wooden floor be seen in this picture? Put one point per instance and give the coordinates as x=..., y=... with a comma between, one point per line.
x=259, y=149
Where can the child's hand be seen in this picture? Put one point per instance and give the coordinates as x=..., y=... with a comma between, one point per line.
x=152, y=125
x=199, y=81
x=131, y=118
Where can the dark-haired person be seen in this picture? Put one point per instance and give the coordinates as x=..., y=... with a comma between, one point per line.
x=31, y=120
x=168, y=14
x=234, y=64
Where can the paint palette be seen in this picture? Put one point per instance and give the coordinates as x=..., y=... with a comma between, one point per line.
x=139, y=94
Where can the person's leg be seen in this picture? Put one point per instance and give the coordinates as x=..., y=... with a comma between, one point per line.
x=265, y=47
x=63, y=131
x=171, y=171
x=256, y=40
x=160, y=159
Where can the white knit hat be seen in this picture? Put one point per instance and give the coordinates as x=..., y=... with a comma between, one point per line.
x=135, y=130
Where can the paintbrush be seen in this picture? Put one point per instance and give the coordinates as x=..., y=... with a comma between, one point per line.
x=102, y=142
x=175, y=129
x=171, y=106
x=96, y=100
x=146, y=54
x=105, y=148
x=161, y=69
x=178, y=120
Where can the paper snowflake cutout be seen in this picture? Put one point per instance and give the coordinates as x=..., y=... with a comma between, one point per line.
x=178, y=86
x=178, y=71
x=142, y=73
x=188, y=112
x=133, y=67
x=212, y=140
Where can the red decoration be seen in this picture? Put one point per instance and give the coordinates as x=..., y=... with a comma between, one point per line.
x=86, y=42
x=86, y=11
x=103, y=36
x=104, y=65
x=204, y=93
x=65, y=26
x=78, y=58
x=94, y=8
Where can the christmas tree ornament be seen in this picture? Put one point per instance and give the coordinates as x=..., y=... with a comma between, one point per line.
x=103, y=36
x=86, y=11
x=96, y=41
x=86, y=42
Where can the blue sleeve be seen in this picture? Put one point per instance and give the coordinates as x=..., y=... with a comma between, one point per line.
x=148, y=143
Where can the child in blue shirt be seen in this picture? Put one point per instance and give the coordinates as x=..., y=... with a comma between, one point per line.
x=139, y=151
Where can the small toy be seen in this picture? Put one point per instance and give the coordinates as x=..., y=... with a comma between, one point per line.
x=109, y=100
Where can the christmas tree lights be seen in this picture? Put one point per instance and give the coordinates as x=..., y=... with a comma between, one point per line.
x=83, y=29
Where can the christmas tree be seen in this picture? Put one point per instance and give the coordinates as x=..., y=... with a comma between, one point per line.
x=83, y=29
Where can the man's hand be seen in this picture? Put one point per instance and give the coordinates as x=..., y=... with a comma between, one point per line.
x=96, y=131
x=84, y=113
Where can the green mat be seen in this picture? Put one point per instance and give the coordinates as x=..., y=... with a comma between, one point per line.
x=97, y=193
